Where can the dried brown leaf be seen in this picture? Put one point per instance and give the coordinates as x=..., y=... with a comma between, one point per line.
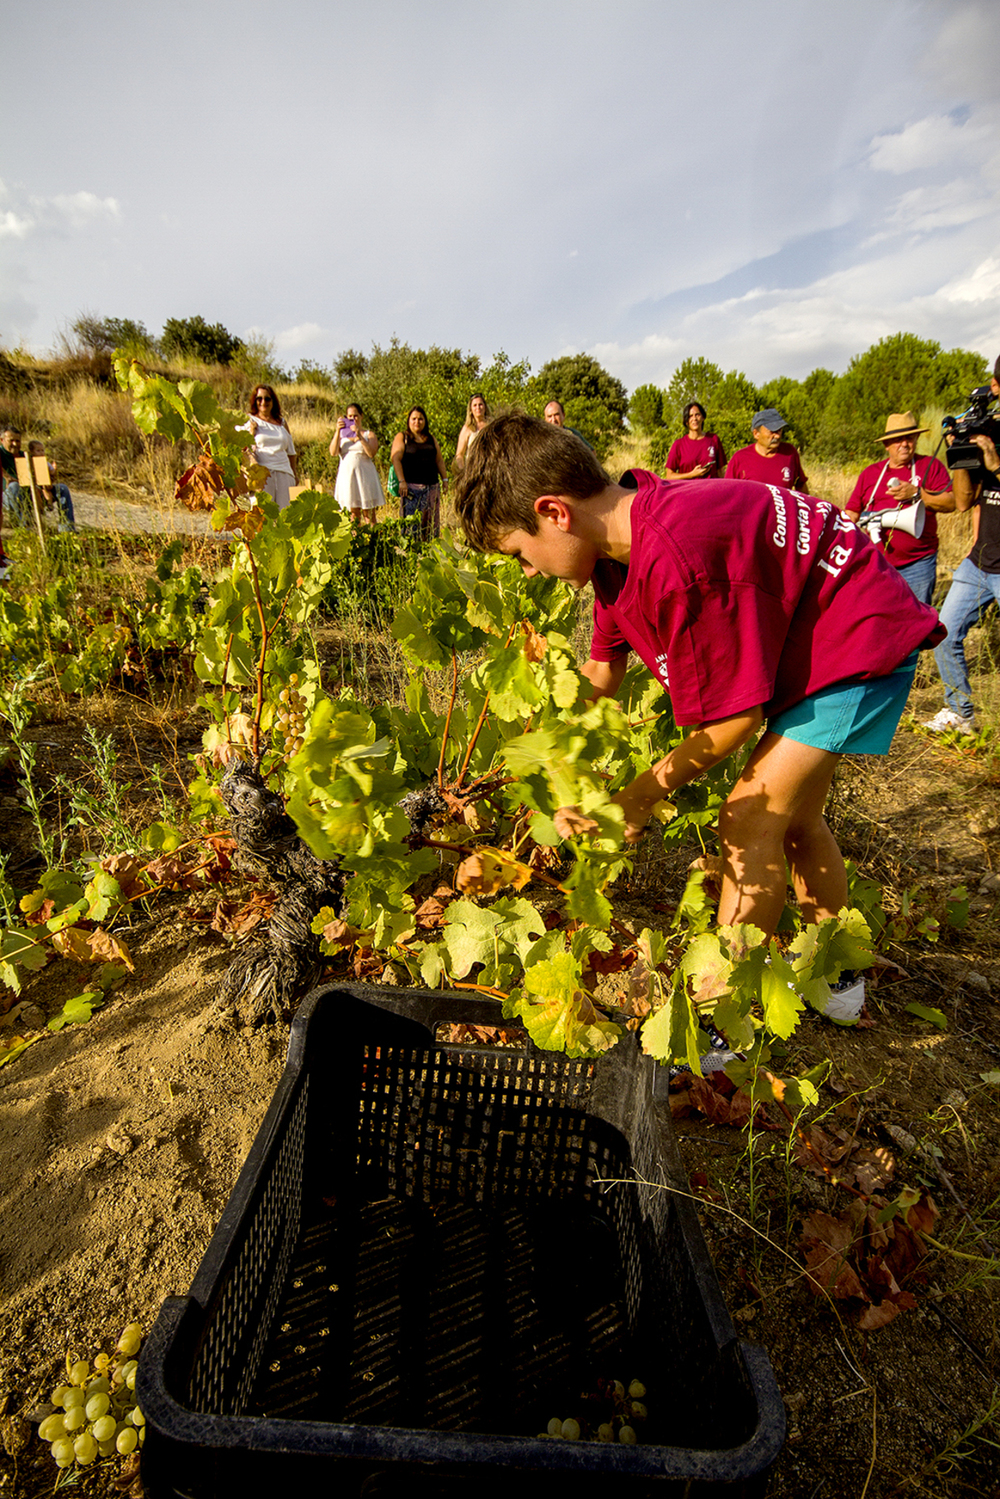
x=571, y=822
x=199, y=486
x=128, y=870
x=535, y=645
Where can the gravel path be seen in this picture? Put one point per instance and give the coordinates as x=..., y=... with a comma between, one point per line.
x=97, y=513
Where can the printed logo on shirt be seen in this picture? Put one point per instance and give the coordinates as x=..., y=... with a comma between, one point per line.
x=802, y=544
x=786, y=474
x=661, y=669
x=780, y=522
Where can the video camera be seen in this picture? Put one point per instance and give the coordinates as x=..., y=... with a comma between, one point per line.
x=971, y=421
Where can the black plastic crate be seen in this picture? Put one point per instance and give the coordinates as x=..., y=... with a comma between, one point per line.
x=422, y=1262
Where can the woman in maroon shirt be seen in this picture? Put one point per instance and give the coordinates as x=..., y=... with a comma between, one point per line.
x=696, y=455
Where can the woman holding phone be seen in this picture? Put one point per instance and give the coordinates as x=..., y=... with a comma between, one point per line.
x=698, y=454
x=357, y=489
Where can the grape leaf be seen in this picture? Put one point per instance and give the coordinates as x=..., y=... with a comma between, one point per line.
x=559, y=1014
x=488, y=934
x=671, y=1033
x=487, y=870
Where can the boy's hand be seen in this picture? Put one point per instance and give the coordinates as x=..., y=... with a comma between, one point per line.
x=698, y=752
x=638, y=801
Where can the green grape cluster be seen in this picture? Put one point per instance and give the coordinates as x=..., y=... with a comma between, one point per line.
x=609, y=1414
x=290, y=720
x=94, y=1412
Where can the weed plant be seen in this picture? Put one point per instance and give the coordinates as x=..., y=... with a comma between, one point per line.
x=377, y=575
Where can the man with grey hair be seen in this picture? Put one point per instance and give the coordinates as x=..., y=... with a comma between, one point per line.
x=768, y=459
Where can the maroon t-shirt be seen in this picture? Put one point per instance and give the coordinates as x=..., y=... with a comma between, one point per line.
x=782, y=467
x=872, y=492
x=690, y=452
x=739, y=596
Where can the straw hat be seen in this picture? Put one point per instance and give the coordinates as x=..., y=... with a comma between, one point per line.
x=901, y=424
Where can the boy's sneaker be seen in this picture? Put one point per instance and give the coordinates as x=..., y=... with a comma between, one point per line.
x=715, y=1060
x=946, y=721
x=846, y=1001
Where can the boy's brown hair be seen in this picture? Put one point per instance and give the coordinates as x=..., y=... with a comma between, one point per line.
x=515, y=459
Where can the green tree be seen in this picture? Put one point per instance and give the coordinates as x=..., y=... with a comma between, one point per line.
x=645, y=409
x=441, y=381
x=694, y=380
x=802, y=402
x=899, y=373
x=255, y=361
x=103, y=335
x=349, y=366
x=735, y=399
x=193, y=338
x=310, y=373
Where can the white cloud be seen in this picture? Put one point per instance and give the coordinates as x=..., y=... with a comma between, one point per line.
x=982, y=285
x=81, y=209
x=14, y=227
x=924, y=209
x=30, y=213
x=926, y=143
x=290, y=339
x=791, y=330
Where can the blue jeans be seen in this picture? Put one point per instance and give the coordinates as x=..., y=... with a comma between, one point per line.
x=971, y=593
x=17, y=502
x=921, y=577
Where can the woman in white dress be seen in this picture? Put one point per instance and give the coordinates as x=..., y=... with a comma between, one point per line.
x=272, y=444
x=476, y=417
x=358, y=488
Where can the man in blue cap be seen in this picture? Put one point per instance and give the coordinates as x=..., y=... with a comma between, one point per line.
x=768, y=459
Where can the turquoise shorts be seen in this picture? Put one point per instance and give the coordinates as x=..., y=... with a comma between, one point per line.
x=850, y=718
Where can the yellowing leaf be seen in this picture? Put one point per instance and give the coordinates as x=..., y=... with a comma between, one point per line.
x=92, y=947
x=488, y=870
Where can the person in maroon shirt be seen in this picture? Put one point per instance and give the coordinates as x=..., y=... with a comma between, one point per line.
x=750, y=603
x=901, y=479
x=768, y=459
x=698, y=454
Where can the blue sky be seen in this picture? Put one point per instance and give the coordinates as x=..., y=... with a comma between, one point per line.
x=771, y=186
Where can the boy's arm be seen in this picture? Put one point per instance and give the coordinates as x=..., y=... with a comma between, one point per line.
x=704, y=747
x=606, y=676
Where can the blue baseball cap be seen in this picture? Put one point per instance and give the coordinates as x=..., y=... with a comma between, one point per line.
x=771, y=419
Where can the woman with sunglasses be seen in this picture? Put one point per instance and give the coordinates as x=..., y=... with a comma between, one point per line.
x=272, y=444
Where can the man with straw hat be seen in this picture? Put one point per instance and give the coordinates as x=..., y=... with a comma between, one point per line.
x=902, y=479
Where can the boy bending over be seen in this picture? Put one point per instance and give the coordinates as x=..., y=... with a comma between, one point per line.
x=752, y=604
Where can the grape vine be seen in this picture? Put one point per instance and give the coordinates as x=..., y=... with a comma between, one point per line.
x=473, y=821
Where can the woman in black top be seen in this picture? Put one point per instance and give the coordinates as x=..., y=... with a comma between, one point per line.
x=420, y=470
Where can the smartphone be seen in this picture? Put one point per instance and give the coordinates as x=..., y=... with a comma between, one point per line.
x=349, y=430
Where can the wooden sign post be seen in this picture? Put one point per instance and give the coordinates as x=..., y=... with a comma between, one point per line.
x=26, y=479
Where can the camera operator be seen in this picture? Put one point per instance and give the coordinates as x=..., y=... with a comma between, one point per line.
x=975, y=584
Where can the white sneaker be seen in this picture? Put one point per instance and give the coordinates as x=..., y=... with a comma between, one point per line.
x=946, y=721
x=844, y=1000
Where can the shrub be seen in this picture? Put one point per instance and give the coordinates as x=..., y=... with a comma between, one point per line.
x=193, y=338
x=645, y=409
x=377, y=575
